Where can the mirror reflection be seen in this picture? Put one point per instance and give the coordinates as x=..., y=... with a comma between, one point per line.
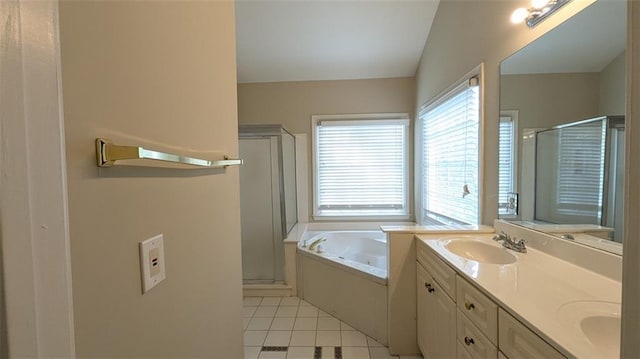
x=562, y=101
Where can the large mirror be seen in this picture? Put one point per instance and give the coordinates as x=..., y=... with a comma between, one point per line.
x=562, y=102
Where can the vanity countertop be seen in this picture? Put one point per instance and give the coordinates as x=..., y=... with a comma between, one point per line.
x=549, y=295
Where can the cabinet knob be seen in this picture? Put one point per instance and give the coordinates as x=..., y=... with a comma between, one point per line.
x=430, y=289
x=469, y=305
x=468, y=341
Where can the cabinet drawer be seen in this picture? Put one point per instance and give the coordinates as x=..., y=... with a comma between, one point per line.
x=481, y=310
x=471, y=338
x=517, y=341
x=462, y=353
x=439, y=270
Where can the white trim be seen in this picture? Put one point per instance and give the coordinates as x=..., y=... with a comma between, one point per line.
x=477, y=72
x=34, y=215
x=513, y=114
x=361, y=116
x=630, y=347
x=481, y=145
x=443, y=95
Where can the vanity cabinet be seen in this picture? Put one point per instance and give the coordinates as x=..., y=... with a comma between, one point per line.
x=471, y=340
x=436, y=318
x=456, y=319
x=478, y=308
x=441, y=272
x=517, y=341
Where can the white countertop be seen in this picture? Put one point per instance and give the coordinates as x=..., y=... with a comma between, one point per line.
x=548, y=294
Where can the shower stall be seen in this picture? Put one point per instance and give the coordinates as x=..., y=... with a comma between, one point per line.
x=579, y=175
x=267, y=200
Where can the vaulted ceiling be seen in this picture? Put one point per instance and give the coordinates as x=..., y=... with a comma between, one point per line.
x=304, y=40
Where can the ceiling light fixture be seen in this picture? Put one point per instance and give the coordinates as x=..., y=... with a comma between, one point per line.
x=539, y=11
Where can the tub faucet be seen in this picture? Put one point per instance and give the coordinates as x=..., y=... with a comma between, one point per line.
x=313, y=244
x=511, y=243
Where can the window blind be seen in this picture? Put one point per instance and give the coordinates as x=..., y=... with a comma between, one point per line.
x=580, y=177
x=451, y=156
x=506, y=162
x=361, y=168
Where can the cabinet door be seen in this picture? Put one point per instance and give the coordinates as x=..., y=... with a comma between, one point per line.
x=518, y=341
x=436, y=318
x=422, y=307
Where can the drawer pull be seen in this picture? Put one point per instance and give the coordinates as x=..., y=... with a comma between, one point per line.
x=430, y=289
x=469, y=305
x=468, y=341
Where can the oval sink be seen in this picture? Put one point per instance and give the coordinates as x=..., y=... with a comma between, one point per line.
x=481, y=252
x=599, y=321
x=603, y=332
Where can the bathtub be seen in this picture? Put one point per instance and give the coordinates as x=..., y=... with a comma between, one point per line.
x=347, y=278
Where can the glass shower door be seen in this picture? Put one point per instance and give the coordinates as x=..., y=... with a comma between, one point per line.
x=257, y=203
x=579, y=175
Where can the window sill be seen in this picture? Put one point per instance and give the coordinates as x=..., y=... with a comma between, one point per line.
x=352, y=218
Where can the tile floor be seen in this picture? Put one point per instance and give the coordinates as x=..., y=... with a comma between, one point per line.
x=290, y=328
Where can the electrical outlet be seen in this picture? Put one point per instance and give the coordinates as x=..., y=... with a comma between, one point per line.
x=152, y=262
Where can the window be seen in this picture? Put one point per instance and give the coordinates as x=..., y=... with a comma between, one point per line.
x=361, y=166
x=507, y=162
x=450, y=156
x=581, y=170
x=570, y=173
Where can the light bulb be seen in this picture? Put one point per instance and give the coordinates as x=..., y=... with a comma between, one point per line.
x=519, y=15
x=539, y=4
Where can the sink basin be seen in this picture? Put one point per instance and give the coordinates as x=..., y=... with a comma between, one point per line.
x=599, y=321
x=480, y=252
x=603, y=332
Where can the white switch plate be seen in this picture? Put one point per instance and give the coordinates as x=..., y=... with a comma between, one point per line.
x=152, y=262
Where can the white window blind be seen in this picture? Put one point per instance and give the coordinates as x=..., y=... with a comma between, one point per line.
x=451, y=156
x=506, y=162
x=361, y=168
x=580, y=177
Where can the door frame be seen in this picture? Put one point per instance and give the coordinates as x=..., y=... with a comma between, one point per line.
x=34, y=221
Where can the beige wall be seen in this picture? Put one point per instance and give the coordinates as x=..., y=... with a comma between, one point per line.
x=158, y=73
x=463, y=35
x=613, y=87
x=293, y=103
x=546, y=100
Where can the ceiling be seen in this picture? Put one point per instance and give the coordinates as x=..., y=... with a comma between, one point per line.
x=595, y=36
x=305, y=40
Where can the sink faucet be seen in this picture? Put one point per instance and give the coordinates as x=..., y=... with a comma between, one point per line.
x=568, y=236
x=511, y=243
x=313, y=244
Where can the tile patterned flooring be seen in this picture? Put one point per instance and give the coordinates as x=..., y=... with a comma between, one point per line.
x=290, y=328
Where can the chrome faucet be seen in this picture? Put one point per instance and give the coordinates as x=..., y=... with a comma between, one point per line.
x=511, y=243
x=568, y=236
x=313, y=244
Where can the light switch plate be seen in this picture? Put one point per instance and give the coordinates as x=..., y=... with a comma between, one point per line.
x=152, y=262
